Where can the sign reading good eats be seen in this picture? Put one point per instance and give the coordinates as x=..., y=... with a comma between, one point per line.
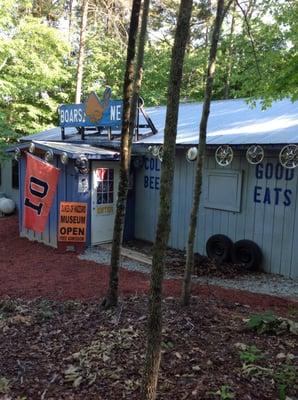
x=72, y=222
x=271, y=185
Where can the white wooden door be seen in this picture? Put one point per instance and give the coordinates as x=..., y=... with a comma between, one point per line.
x=105, y=179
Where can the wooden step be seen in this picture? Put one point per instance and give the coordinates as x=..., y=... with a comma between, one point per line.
x=132, y=254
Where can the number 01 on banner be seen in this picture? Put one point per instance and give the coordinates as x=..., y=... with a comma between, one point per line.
x=72, y=222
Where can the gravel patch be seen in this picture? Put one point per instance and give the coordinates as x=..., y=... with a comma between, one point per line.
x=103, y=256
x=256, y=282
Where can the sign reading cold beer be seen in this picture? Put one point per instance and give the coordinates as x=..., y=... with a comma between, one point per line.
x=94, y=112
x=72, y=222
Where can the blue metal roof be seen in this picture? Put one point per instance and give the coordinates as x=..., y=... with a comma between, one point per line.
x=232, y=122
x=49, y=134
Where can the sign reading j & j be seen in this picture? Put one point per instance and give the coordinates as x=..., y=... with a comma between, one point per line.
x=72, y=222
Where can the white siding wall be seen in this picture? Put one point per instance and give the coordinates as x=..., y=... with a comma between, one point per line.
x=6, y=181
x=265, y=217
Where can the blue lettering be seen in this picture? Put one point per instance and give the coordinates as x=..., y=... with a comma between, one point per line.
x=146, y=163
x=269, y=171
x=267, y=199
x=277, y=191
x=157, y=183
x=257, y=193
x=279, y=171
x=157, y=165
x=146, y=181
x=151, y=182
x=259, y=171
x=289, y=174
x=152, y=164
x=287, y=194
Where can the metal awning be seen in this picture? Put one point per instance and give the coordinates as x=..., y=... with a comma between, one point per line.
x=72, y=150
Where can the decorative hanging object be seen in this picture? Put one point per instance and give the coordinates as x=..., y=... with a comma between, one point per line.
x=154, y=151
x=32, y=148
x=288, y=156
x=224, y=155
x=82, y=164
x=64, y=158
x=49, y=156
x=191, y=154
x=255, y=154
x=17, y=154
x=160, y=153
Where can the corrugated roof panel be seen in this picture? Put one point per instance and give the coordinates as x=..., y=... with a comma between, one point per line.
x=232, y=122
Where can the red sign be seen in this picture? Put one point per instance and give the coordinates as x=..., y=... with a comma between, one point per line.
x=40, y=187
x=101, y=174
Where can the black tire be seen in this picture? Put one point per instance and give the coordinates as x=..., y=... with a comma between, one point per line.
x=219, y=247
x=247, y=253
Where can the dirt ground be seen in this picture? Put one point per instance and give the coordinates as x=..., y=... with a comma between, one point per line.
x=57, y=343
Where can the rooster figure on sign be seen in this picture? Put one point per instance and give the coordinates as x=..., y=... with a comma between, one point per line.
x=94, y=108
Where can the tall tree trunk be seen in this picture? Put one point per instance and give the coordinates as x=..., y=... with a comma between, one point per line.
x=70, y=20
x=186, y=290
x=82, y=45
x=229, y=58
x=139, y=67
x=154, y=332
x=126, y=140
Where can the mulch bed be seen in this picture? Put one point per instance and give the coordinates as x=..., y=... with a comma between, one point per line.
x=175, y=262
x=74, y=350
x=30, y=269
x=57, y=342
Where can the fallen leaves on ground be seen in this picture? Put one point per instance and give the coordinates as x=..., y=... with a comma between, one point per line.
x=75, y=350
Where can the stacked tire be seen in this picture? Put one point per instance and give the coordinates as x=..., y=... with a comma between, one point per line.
x=219, y=247
x=248, y=254
x=244, y=252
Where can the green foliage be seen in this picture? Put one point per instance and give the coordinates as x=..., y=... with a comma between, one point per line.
x=251, y=354
x=224, y=393
x=285, y=377
x=45, y=310
x=33, y=76
x=7, y=306
x=4, y=385
x=266, y=322
x=270, y=323
x=264, y=63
